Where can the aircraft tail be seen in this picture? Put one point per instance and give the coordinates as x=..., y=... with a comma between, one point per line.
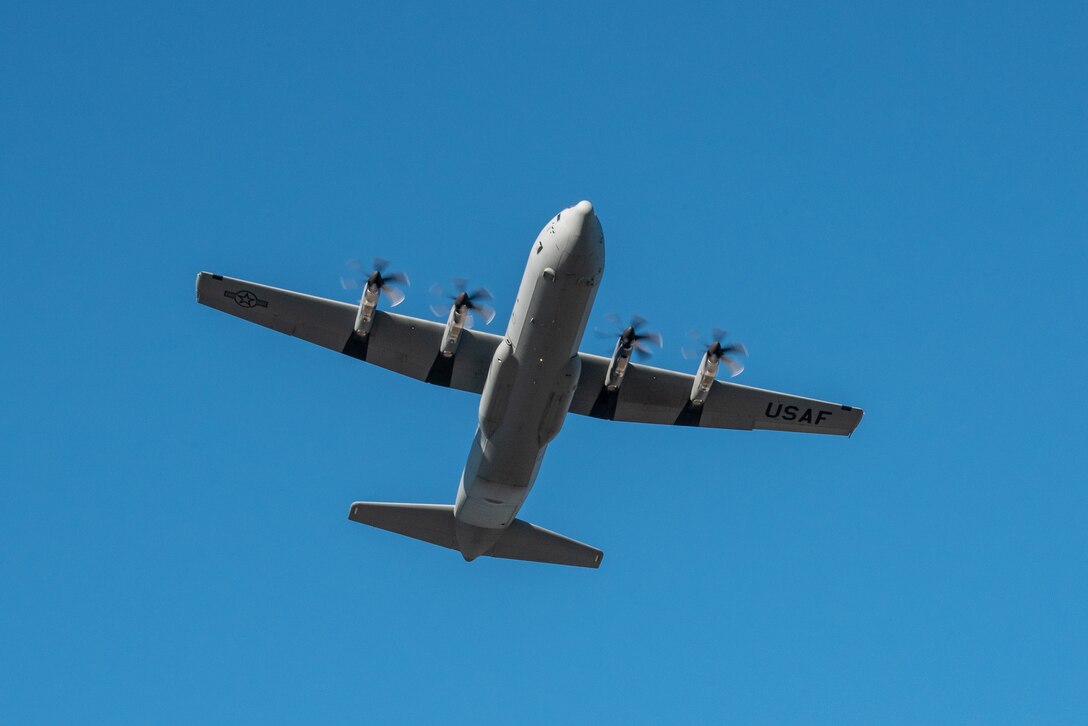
x=435, y=523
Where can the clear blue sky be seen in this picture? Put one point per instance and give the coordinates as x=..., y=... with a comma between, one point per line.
x=887, y=205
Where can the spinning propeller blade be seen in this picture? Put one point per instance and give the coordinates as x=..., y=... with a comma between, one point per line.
x=716, y=349
x=468, y=302
x=632, y=336
x=377, y=277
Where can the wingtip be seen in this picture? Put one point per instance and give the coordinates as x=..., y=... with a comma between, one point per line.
x=203, y=277
x=861, y=414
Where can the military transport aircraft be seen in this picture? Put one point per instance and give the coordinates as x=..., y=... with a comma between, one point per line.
x=527, y=380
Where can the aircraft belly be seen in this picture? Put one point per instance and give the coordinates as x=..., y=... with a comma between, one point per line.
x=496, y=481
x=506, y=455
x=526, y=398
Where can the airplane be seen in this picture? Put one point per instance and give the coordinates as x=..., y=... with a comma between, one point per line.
x=528, y=381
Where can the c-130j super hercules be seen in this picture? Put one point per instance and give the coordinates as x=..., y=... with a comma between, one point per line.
x=527, y=380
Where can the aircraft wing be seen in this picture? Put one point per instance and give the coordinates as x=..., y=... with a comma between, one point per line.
x=399, y=343
x=655, y=395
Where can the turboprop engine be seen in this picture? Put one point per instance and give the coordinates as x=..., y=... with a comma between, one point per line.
x=460, y=316
x=373, y=285
x=630, y=341
x=713, y=356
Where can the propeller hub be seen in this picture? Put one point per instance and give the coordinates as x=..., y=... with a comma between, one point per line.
x=632, y=335
x=461, y=300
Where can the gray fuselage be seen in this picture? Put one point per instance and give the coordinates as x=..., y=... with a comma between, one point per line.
x=532, y=377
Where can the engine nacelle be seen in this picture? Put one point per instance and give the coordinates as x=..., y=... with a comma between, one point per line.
x=621, y=357
x=368, y=303
x=704, y=379
x=455, y=323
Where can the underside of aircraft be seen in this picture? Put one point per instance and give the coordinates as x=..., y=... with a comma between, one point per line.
x=527, y=380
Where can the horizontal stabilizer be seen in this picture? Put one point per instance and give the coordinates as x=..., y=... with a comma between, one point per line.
x=524, y=541
x=435, y=523
x=432, y=523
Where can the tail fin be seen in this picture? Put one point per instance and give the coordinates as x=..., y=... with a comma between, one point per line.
x=434, y=523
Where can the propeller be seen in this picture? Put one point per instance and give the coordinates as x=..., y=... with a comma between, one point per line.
x=377, y=277
x=716, y=349
x=632, y=336
x=464, y=300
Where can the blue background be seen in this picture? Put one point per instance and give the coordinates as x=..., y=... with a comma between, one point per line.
x=886, y=204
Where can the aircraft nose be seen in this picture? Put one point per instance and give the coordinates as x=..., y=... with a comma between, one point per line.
x=584, y=220
x=587, y=241
x=584, y=208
